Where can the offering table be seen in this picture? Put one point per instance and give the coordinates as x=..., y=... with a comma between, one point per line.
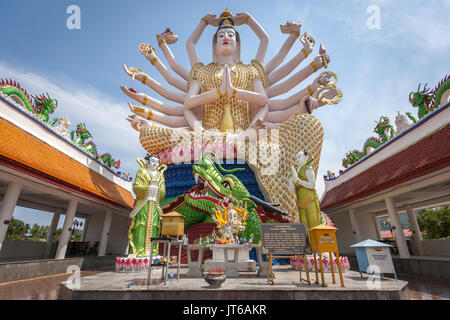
x=227, y=257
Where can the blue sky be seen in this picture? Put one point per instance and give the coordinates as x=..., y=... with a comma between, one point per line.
x=83, y=68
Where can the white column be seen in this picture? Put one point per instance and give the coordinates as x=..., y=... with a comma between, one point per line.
x=355, y=227
x=398, y=229
x=105, y=233
x=52, y=232
x=65, y=233
x=85, y=228
x=415, y=228
x=7, y=208
x=413, y=221
x=377, y=229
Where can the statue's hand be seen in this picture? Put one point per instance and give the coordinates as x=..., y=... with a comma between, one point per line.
x=229, y=85
x=241, y=18
x=137, y=123
x=328, y=95
x=168, y=36
x=223, y=85
x=291, y=27
x=307, y=41
x=211, y=19
x=147, y=50
x=318, y=61
x=321, y=80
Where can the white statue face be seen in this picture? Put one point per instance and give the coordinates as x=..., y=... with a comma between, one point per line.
x=301, y=158
x=153, y=163
x=226, y=42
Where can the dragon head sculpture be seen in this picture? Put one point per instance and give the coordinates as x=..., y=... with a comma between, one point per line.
x=45, y=104
x=421, y=97
x=214, y=186
x=82, y=131
x=384, y=129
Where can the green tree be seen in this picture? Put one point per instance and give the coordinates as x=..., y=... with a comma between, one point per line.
x=58, y=234
x=39, y=232
x=16, y=229
x=435, y=222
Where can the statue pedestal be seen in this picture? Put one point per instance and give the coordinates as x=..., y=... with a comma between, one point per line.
x=232, y=266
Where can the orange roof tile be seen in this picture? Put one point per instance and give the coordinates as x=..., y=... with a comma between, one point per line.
x=23, y=151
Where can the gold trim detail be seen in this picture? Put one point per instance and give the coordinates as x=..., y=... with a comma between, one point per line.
x=305, y=53
x=154, y=60
x=324, y=61
x=144, y=78
x=313, y=66
x=145, y=99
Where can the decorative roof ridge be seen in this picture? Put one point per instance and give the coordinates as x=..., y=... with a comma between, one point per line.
x=50, y=130
x=413, y=127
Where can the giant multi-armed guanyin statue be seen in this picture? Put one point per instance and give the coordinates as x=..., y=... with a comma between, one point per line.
x=234, y=103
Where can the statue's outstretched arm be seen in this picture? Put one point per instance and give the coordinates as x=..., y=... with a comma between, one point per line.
x=161, y=118
x=155, y=85
x=154, y=103
x=149, y=52
x=286, y=69
x=281, y=104
x=244, y=17
x=297, y=78
x=293, y=29
x=307, y=104
x=164, y=40
x=192, y=41
x=283, y=115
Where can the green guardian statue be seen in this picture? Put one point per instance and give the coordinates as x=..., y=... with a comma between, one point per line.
x=150, y=189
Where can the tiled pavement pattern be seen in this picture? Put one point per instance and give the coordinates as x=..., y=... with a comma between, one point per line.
x=426, y=288
x=43, y=288
x=47, y=288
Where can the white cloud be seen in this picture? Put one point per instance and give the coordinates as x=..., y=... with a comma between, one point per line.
x=422, y=25
x=103, y=115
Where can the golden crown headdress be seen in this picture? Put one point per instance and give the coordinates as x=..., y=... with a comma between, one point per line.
x=226, y=19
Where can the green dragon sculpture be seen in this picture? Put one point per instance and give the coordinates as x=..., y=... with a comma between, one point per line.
x=42, y=106
x=214, y=183
x=426, y=101
x=383, y=129
x=79, y=137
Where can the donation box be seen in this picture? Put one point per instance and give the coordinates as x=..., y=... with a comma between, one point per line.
x=375, y=255
x=172, y=224
x=323, y=239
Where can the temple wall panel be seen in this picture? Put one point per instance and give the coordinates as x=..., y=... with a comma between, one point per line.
x=94, y=230
x=366, y=226
x=118, y=235
x=23, y=249
x=344, y=233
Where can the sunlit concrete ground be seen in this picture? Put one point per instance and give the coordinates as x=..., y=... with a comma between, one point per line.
x=47, y=288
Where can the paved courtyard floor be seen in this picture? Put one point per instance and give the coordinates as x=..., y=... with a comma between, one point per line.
x=48, y=288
